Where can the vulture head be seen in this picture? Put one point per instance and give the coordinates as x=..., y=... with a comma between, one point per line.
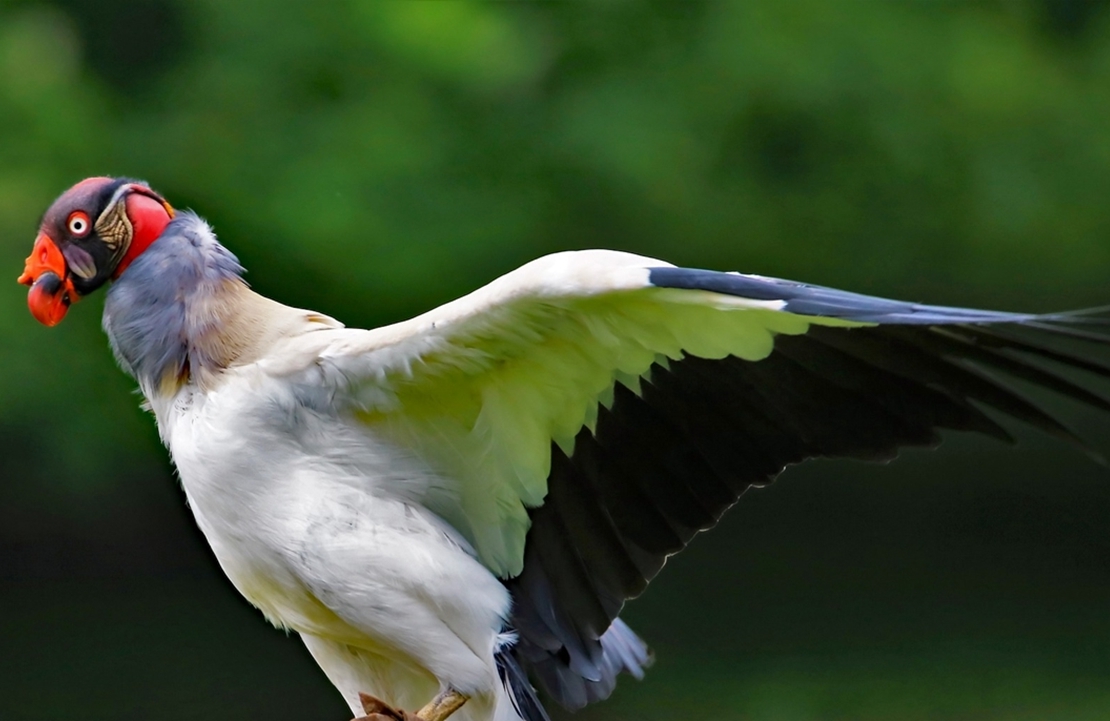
x=88, y=236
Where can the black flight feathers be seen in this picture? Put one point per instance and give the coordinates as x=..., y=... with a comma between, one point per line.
x=666, y=464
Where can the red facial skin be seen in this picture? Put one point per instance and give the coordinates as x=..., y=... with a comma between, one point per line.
x=149, y=217
x=52, y=290
x=51, y=287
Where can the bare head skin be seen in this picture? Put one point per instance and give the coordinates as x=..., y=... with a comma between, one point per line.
x=88, y=236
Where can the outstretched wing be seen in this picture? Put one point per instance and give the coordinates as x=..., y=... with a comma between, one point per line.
x=594, y=410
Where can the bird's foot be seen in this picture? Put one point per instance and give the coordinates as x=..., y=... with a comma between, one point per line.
x=378, y=710
x=442, y=706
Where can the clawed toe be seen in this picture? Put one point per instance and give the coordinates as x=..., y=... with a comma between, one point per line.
x=442, y=706
x=378, y=710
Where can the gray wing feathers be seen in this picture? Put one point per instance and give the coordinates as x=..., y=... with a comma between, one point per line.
x=816, y=300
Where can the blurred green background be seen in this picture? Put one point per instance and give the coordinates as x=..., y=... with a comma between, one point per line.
x=373, y=159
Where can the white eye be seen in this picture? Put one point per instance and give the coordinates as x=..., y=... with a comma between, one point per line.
x=78, y=224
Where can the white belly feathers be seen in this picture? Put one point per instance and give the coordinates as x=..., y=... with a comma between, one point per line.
x=320, y=526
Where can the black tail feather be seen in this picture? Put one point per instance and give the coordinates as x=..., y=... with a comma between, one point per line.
x=524, y=698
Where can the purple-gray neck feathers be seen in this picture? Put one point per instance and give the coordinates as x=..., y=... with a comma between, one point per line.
x=160, y=307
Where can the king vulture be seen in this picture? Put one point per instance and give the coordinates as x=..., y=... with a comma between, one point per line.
x=453, y=508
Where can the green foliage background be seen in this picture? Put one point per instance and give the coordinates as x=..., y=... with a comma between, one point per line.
x=373, y=159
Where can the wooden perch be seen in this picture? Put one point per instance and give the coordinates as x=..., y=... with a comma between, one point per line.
x=442, y=706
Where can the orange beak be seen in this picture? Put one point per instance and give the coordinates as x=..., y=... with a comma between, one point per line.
x=52, y=290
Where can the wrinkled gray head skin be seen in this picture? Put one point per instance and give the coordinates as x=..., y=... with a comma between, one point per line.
x=158, y=302
x=91, y=258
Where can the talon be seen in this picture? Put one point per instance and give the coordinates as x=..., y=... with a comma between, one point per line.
x=378, y=710
x=442, y=706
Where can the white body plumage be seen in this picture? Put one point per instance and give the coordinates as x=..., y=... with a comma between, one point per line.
x=319, y=524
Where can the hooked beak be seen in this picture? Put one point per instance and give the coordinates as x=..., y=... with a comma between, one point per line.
x=52, y=289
